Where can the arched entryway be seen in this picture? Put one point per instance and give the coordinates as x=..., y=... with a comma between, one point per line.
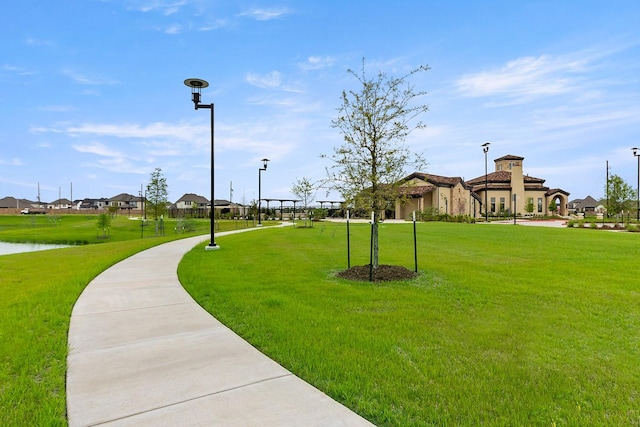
x=561, y=199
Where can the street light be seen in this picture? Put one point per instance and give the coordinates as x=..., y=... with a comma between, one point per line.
x=636, y=152
x=485, y=148
x=263, y=168
x=196, y=86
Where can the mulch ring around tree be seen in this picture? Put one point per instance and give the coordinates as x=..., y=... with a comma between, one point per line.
x=383, y=273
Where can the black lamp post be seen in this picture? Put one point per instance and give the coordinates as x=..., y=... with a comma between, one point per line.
x=636, y=152
x=263, y=168
x=196, y=86
x=485, y=148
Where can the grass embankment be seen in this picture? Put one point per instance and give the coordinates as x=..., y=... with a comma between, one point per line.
x=506, y=325
x=37, y=293
x=83, y=229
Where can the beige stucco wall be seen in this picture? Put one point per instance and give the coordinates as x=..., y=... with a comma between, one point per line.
x=452, y=201
x=459, y=201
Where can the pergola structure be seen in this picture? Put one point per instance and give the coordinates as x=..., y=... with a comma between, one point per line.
x=331, y=202
x=282, y=201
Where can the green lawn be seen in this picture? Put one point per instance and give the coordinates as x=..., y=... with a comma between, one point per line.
x=83, y=229
x=37, y=293
x=506, y=325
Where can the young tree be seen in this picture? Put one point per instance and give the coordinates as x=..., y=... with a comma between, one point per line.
x=303, y=189
x=104, y=221
x=374, y=122
x=157, y=195
x=621, y=195
x=529, y=205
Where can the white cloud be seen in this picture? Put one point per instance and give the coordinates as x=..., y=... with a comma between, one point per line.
x=87, y=80
x=266, y=14
x=11, y=162
x=317, y=62
x=273, y=80
x=56, y=108
x=98, y=149
x=109, y=159
x=165, y=7
x=137, y=143
x=173, y=29
x=586, y=117
x=526, y=77
x=214, y=25
x=18, y=70
x=38, y=42
x=182, y=131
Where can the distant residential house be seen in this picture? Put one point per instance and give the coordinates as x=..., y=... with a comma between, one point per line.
x=125, y=202
x=190, y=204
x=60, y=204
x=192, y=201
x=586, y=206
x=13, y=203
x=225, y=206
x=92, y=204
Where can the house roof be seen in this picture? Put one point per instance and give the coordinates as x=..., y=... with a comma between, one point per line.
x=586, y=203
x=436, y=180
x=509, y=157
x=124, y=197
x=433, y=181
x=12, y=202
x=556, y=190
x=60, y=202
x=417, y=190
x=92, y=203
x=8, y=202
x=191, y=197
x=503, y=177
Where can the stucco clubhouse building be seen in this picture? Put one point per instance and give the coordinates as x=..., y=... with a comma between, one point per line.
x=505, y=190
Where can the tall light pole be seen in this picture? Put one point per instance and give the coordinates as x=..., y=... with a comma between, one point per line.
x=636, y=152
x=263, y=168
x=196, y=86
x=485, y=148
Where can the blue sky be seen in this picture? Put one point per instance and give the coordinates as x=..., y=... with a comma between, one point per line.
x=92, y=94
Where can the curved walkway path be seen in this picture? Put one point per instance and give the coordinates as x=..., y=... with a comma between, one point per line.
x=142, y=352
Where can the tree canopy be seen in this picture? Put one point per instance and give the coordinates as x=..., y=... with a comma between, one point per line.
x=304, y=190
x=157, y=194
x=620, y=195
x=375, y=121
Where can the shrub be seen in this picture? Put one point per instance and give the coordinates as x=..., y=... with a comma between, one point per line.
x=319, y=214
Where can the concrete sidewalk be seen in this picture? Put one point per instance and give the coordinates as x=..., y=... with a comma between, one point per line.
x=142, y=352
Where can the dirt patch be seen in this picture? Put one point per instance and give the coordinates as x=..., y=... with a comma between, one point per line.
x=383, y=273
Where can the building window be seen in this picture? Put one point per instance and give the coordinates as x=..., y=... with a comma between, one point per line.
x=540, y=204
x=510, y=165
x=500, y=167
x=501, y=204
x=493, y=204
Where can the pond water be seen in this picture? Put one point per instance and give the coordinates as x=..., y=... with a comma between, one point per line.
x=16, y=248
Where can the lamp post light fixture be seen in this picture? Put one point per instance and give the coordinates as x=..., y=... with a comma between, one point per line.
x=485, y=148
x=196, y=86
x=636, y=152
x=263, y=168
